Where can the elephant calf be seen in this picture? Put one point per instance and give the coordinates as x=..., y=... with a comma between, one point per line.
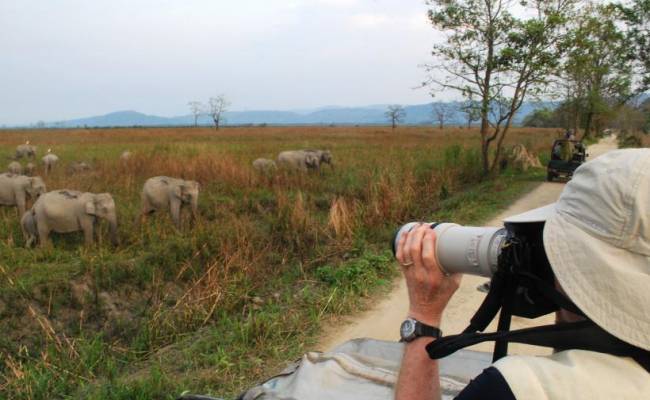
x=30, y=168
x=65, y=211
x=165, y=193
x=264, y=165
x=324, y=157
x=79, y=167
x=28, y=225
x=15, y=168
x=25, y=150
x=49, y=160
x=15, y=190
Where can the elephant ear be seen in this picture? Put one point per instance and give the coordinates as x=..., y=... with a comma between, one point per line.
x=178, y=191
x=90, y=208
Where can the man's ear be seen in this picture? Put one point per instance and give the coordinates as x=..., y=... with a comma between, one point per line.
x=90, y=208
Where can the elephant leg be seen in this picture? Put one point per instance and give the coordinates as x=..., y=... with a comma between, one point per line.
x=87, y=226
x=28, y=226
x=145, y=210
x=44, y=235
x=175, y=210
x=20, y=203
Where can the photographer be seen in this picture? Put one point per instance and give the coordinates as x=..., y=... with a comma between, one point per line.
x=597, y=241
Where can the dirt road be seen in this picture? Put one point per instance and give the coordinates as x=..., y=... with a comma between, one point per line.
x=383, y=320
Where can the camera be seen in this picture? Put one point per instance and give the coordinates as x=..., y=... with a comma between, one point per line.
x=463, y=249
x=513, y=256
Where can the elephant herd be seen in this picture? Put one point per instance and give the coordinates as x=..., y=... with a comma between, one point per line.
x=49, y=160
x=296, y=160
x=66, y=210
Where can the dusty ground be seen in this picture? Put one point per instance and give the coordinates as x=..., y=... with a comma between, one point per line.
x=383, y=320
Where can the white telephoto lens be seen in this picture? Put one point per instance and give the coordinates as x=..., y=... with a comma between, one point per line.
x=464, y=249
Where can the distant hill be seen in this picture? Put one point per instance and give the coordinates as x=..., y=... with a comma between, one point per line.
x=415, y=115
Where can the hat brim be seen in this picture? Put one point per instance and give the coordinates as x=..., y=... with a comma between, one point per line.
x=540, y=214
x=609, y=284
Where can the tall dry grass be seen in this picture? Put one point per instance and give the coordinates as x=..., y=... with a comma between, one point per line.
x=256, y=238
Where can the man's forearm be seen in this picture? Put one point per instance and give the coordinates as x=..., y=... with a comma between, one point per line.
x=418, y=377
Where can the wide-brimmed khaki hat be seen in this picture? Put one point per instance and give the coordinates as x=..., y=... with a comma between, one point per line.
x=597, y=239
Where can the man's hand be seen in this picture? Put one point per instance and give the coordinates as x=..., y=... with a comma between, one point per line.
x=429, y=288
x=429, y=292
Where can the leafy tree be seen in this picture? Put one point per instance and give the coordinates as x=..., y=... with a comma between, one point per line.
x=497, y=58
x=542, y=118
x=597, y=70
x=645, y=109
x=636, y=16
x=395, y=115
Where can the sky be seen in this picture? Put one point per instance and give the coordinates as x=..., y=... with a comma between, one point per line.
x=63, y=59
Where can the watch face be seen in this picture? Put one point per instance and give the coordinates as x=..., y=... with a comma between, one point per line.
x=407, y=330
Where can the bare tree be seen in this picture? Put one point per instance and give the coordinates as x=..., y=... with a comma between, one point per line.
x=395, y=114
x=443, y=112
x=217, y=106
x=196, y=108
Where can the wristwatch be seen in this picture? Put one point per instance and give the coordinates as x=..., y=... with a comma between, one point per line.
x=412, y=329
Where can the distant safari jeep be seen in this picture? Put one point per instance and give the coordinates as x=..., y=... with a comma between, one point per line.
x=566, y=156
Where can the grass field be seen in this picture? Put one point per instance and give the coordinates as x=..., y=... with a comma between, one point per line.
x=221, y=304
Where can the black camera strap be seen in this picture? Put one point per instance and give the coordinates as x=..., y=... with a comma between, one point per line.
x=583, y=335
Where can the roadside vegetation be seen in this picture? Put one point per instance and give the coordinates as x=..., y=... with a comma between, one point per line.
x=218, y=305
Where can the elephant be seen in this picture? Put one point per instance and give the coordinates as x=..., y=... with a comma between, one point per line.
x=28, y=225
x=49, y=160
x=16, y=189
x=79, y=166
x=30, y=168
x=15, y=168
x=125, y=156
x=25, y=150
x=65, y=211
x=165, y=193
x=264, y=165
x=298, y=160
x=324, y=157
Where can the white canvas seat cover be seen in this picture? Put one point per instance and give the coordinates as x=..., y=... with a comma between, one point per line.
x=361, y=369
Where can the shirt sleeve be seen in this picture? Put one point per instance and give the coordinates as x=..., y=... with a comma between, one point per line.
x=489, y=384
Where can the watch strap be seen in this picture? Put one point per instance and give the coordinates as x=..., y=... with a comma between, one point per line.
x=422, y=329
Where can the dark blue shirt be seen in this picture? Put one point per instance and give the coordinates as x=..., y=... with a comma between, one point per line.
x=490, y=384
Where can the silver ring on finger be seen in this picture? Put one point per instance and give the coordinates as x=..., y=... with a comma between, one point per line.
x=408, y=264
